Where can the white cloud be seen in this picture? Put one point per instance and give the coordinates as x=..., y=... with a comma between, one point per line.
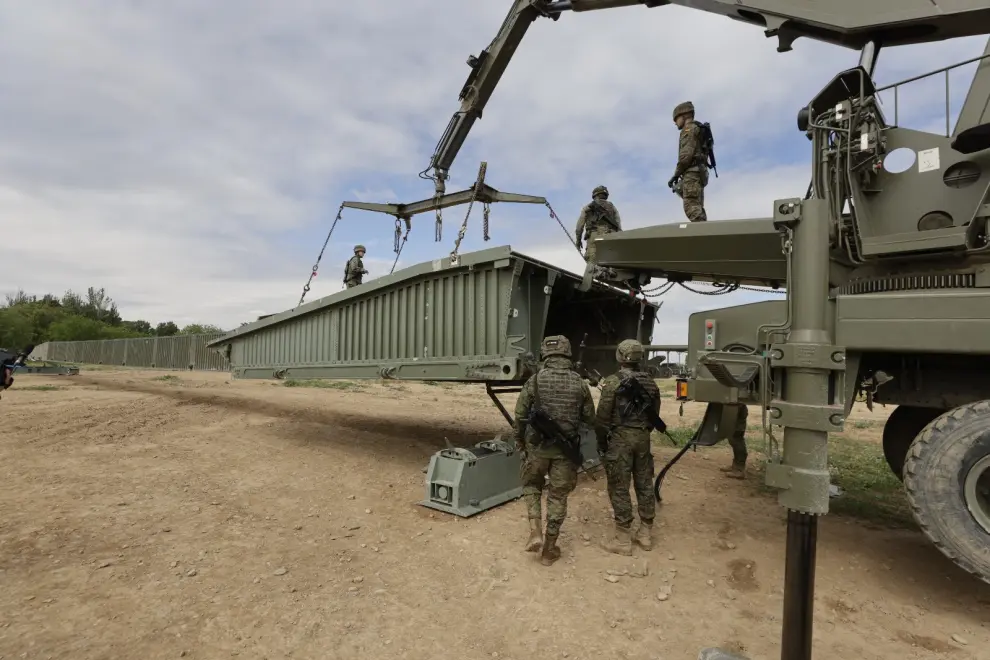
x=189, y=157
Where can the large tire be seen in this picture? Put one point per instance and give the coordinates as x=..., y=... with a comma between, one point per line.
x=902, y=427
x=940, y=477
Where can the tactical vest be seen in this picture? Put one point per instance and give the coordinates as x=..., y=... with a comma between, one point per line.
x=357, y=267
x=635, y=418
x=561, y=393
x=602, y=214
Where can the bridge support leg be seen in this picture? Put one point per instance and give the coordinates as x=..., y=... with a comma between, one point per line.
x=493, y=395
x=807, y=415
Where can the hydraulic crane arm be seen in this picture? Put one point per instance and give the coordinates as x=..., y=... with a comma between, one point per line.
x=858, y=24
x=487, y=69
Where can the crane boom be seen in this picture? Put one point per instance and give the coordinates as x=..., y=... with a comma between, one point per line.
x=856, y=24
x=487, y=69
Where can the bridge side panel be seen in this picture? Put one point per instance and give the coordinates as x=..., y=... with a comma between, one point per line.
x=448, y=325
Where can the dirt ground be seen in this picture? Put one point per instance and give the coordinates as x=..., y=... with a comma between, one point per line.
x=193, y=516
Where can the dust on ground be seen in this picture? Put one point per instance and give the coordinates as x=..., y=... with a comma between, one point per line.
x=187, y=515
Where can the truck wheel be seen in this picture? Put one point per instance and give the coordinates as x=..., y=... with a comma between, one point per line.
x=947, y=479
x=902, y=427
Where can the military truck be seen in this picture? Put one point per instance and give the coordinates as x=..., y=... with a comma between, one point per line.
x=658, y=363
x=885, y=274
x=905, y=288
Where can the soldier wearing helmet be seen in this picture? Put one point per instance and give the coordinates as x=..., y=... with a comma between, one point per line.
x=562, y=393
x=691, y=173
x=624, y=437
x=598, y=218
x=354, y=270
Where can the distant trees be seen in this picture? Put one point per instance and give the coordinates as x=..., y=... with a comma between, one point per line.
x=166, y=329
x=27, y=319
x=198, y=329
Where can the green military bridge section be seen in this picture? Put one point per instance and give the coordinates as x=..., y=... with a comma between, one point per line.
x=477, y=318
x=185, y=352
x=480, y=319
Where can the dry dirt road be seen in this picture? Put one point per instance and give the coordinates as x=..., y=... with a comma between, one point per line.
x=200, y=518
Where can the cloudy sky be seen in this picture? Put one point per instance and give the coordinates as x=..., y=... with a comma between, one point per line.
x=190, y=156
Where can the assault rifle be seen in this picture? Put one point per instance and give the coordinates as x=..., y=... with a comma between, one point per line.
x=639, y=400
x=592, y=375
x=603, y=213
x=551, y=432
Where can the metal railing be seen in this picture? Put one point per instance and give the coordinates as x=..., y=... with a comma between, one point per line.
x=944, y=70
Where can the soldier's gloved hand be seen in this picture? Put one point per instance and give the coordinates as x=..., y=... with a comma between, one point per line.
x=673, y=180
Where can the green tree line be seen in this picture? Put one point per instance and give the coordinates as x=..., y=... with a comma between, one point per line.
x=26, y=319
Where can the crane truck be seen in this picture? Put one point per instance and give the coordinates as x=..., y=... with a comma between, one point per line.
x=887, y=277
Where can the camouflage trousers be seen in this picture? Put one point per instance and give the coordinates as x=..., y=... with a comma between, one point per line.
x=591, y=251
x=629, y=457
x=563, y=480
x=693, y=195
x=352, y=283
x=738, y=438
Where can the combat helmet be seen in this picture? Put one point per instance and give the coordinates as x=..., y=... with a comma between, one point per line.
x=629, y=351
x=683, y=109
x=555, y=345
x=359, y=248
x=600, y=190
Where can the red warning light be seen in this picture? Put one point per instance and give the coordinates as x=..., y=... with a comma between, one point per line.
x=708, y=325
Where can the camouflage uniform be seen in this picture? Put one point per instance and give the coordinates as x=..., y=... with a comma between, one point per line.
x=692, y=167
x=354, y=270
x=598, y=219
x=628, y=454
x=738, y=443
x=567, y=399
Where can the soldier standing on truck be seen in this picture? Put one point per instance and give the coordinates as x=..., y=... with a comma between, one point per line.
x=598, y=218
x=559, y=391
x=623, y=430
x=695, y=155
x=354, y=270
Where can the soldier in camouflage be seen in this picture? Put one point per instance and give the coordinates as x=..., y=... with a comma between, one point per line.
x=737, y=470
x=624, y=438
x=691, y=173
x=598, y=218
x=354, y=270
x=559, y=390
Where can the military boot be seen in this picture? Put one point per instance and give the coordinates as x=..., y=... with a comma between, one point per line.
x=735, y=471
x=620, y=543
x=551, y=552
x=535, y=539
x=644, y=535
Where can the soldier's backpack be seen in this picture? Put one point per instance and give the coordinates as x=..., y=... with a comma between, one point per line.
x=708, y=146
x=347, y=268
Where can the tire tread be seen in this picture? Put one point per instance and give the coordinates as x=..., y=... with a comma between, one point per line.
x=916, y=453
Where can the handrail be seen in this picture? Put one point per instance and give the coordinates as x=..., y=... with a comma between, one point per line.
x=946, y=69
